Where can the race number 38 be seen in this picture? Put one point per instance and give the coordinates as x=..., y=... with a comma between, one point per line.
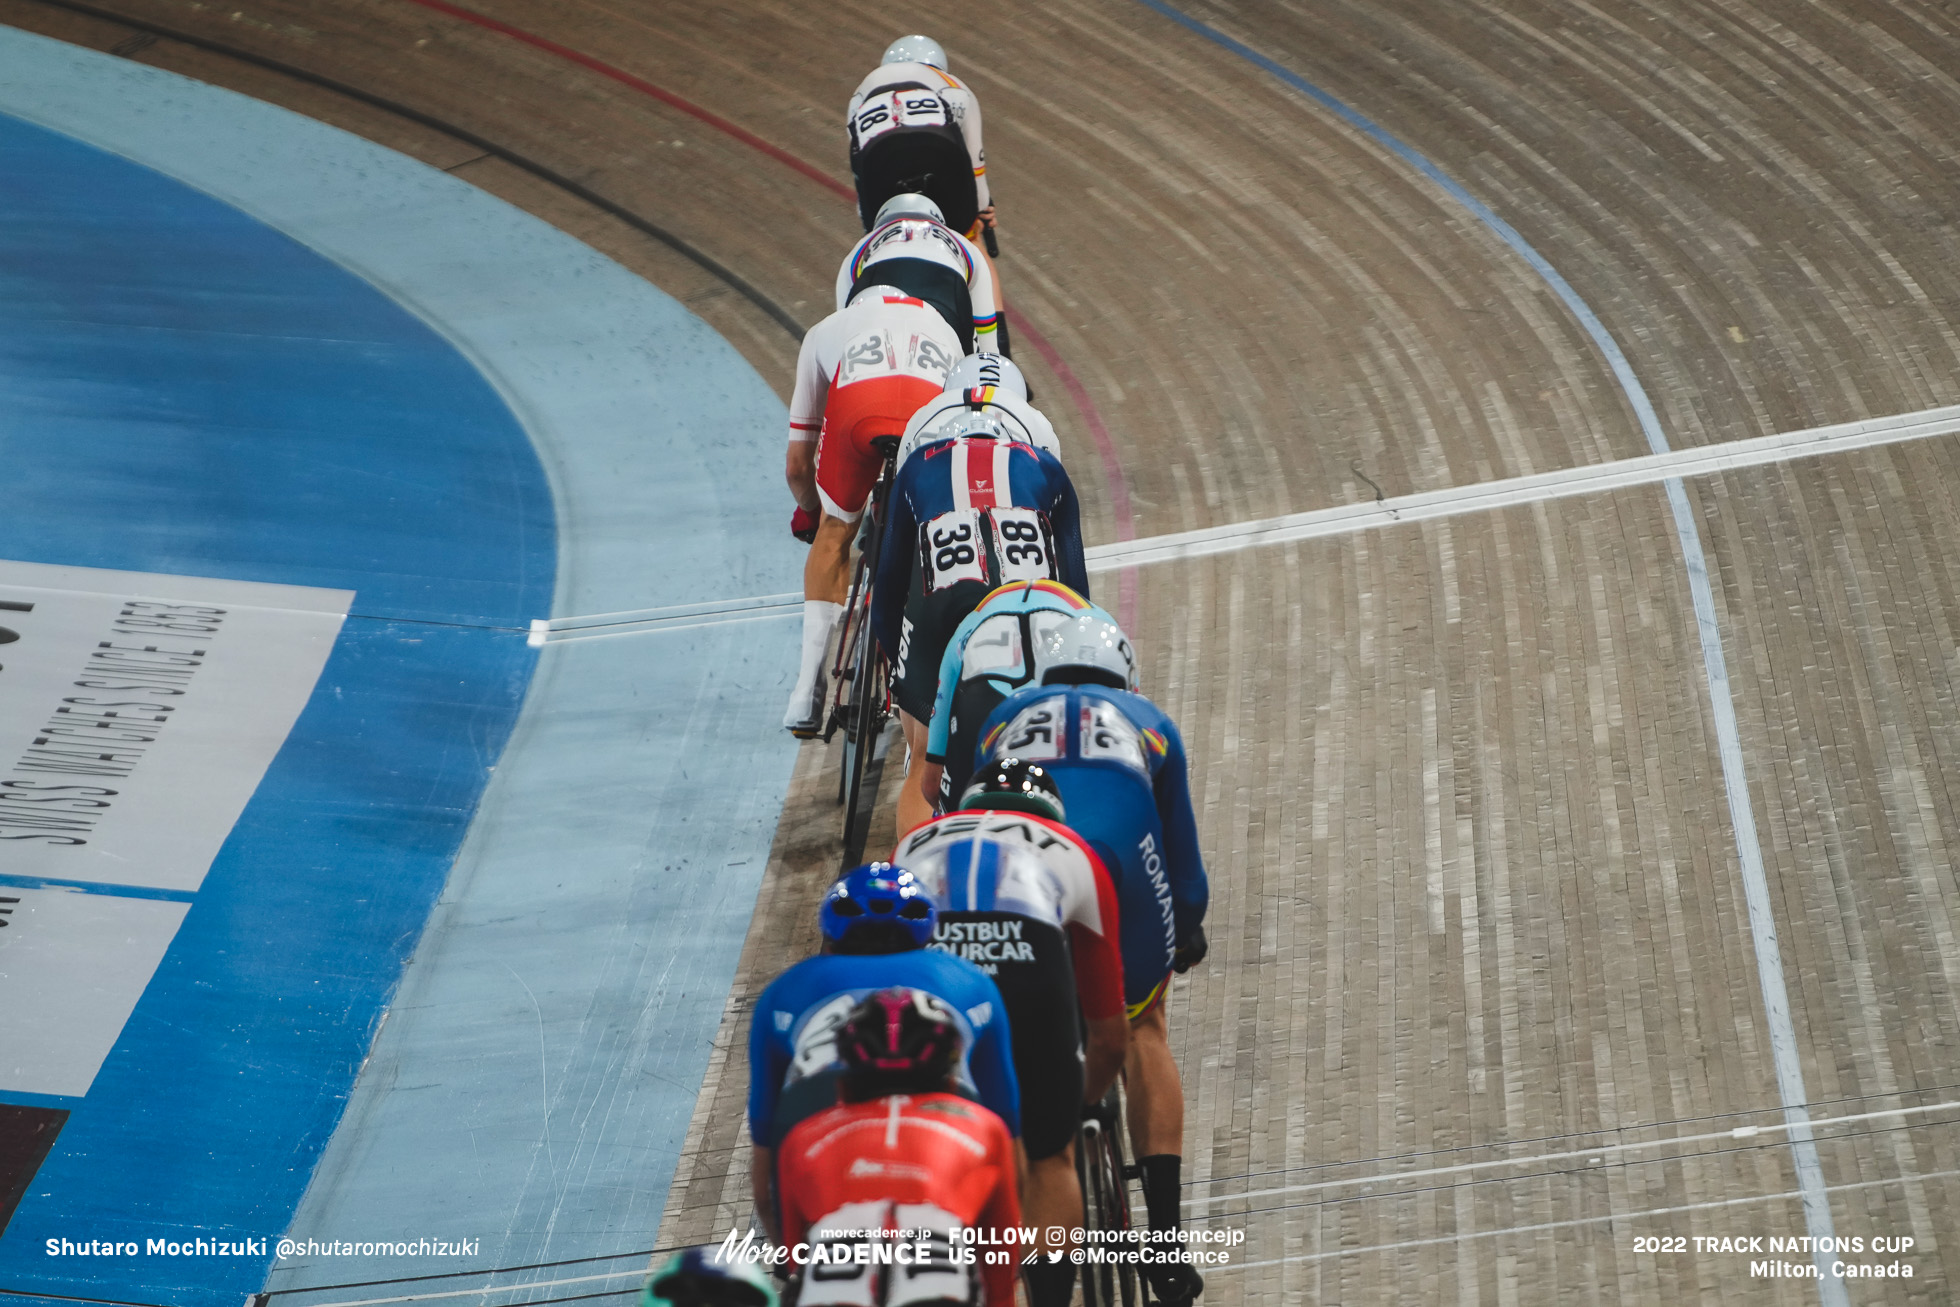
x=951, y=543
x=1021, y=545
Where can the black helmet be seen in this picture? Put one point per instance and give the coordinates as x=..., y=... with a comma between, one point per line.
x=1015, y=785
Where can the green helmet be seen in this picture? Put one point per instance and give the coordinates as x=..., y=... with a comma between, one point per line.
x=695, y=1277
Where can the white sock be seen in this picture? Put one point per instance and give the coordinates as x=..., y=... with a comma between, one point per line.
x=819, y=619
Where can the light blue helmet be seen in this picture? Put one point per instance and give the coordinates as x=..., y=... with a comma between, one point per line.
x=1043, y=633
x=915, y=50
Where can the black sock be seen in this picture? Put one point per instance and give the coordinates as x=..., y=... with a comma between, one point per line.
x=1050, y=1284
x=1161, y=1193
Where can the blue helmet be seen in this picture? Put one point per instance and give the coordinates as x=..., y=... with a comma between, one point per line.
x=697, y=1277
x=878, y=908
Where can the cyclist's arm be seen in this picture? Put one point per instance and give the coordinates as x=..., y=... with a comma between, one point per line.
x=806, y=404
x=939, y=737
x=847, y=273
x=1098, y=959
x=762, y=1188
x=1002, y=1212
x=1190, y=890
x=1066, y=519
x=1040, y=430
x=811, y=388
x=766, y=1068
x=976, y=148
x=893, y=584
x=980, y=287
x=768, y=1064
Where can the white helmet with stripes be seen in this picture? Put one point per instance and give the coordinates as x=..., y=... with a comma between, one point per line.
x=908, y=204
x=988, y=370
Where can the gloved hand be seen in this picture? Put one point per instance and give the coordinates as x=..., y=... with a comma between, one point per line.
x=1191, y=950
x=803, y=525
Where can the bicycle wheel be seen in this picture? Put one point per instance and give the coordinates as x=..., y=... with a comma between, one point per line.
x=865, y=743
x=864, y=728
x=852, y=630
x=863, y=748
x=1106, y=1205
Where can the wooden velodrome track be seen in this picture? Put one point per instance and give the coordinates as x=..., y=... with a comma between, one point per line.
x=1478, y=897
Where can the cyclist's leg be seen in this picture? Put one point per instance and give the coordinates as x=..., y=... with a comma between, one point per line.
x=1041, y=1014
x=843, y=482
x=931, y=617
x=1153, y=1091
x=1002, y=345
x=914, y=808
x=1053, y=1201
x=1155, y=1107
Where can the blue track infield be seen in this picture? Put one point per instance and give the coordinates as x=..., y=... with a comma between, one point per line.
x=185, y=390
x=531, y=1085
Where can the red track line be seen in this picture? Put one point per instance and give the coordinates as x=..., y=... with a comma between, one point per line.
x=1119, y=490
x=645, y=87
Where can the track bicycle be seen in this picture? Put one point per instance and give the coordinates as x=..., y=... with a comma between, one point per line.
x=861, y=703
x=1105, y=1180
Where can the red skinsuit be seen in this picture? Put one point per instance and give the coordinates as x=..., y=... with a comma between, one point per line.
x=932, y=1150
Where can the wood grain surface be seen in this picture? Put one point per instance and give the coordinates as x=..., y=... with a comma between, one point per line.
x=1476, y=898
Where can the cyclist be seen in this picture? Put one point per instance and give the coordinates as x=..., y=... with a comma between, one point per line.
x=1119, y=764
x=695, y=1277
x=1009, y=641
x=876, y=925
x=986, y=383
x=911, y=247
x=900, y=1152
x=1021, y=897
x=969, y=511
x=860, y=375
x=914, y=127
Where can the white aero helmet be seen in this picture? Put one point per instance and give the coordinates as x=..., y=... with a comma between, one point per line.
x=915, y=50
x=1082, y=648
x=908, y=204
x=988, y=370
x=971, y=423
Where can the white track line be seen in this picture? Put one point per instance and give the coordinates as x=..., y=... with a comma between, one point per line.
x=1593, y=479
x=676, y=617
x=1735, y=781
x=1645, y=1214
x=1735, y=1134
x=636, y=1273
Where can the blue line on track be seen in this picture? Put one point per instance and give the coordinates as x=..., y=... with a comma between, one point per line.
x=1786, y=1059
x=98, y=887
